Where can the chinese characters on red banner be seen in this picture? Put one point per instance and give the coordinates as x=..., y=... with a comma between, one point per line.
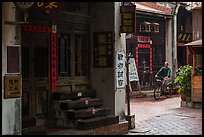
x=53, y=59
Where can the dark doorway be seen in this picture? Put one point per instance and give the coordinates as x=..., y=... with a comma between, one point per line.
x=144, y=66
x=36, y=79
x=181, y=55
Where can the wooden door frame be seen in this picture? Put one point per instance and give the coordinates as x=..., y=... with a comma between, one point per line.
x=74, y=80
x=52, y=59
x=146, y=46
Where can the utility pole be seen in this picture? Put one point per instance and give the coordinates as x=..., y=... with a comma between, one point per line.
x=129, y=118
x=128, y=84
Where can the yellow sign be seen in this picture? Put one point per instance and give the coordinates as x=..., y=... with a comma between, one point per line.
x=128, y=20
x=184, y=37
x=13, y=86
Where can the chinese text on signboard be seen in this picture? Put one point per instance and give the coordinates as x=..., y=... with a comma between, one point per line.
x=133, y=75
x=128, y=19
x=120, y=70
x=184, y=37
x=54, y=59
x=13, y=86
x=103, y=49
x=49, y=5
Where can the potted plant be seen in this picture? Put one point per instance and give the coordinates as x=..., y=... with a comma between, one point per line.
x=183, y=80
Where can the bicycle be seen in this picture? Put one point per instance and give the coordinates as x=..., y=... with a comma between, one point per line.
x=161, y=88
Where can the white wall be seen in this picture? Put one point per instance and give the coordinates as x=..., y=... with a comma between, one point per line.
x=120, y=46
x=169, y=44
x=11, y=108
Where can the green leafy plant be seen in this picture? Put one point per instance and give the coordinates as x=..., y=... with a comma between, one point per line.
x=183, y=79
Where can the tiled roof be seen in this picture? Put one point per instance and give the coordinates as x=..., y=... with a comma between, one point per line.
x=152, y=7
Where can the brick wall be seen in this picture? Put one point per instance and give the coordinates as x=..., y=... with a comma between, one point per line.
x=115, y=129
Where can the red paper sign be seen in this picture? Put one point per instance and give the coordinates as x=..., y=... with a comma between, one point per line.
x=53, y=62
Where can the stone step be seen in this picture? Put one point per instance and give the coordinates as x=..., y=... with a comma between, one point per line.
x=33, y=131
x=92, y=123
x=87, y=113
x=81, y=103
x=73, y=95
x=120, y=128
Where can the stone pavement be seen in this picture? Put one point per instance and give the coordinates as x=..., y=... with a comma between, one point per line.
x=164, y=117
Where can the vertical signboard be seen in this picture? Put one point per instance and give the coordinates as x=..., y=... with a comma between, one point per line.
x=128, y=19
x=53, y=59
x=103, y=49
x=133, y=75
x=120, y=70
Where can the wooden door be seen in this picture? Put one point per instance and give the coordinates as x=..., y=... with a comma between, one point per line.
x=36, y=79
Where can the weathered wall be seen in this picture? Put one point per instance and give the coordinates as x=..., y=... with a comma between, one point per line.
x=103, y=78
x=106, y=17
x=197, y=24
x=11, y=108
x=120, y=46
x=169, y=43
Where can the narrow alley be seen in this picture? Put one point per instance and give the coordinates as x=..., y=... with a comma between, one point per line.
x=164, y=117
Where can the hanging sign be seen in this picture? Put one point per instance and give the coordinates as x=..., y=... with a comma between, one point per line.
x=128, y=19
x=133, y=75
x=120, y=70
x=184, y=37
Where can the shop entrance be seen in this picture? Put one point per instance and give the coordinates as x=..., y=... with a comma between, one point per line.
x=144, y=63
x=35, y=78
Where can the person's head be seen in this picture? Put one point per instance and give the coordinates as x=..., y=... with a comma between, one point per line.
x=166, y=64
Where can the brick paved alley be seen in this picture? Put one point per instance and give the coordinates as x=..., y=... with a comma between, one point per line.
x=164, y=117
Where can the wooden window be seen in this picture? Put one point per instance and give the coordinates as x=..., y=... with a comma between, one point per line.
x=72, y=54
x=81, y=54
x=64, y=54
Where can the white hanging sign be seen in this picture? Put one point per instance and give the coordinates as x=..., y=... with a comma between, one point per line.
x=133, y=75
x=120, y=70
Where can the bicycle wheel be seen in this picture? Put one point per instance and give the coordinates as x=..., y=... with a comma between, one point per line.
x=157, y=92
x=168, y=91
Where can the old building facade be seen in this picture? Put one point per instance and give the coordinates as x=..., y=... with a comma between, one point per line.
x=58, y=47
x=163, y=28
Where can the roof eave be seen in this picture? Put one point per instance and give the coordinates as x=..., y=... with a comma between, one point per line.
x=141, y=11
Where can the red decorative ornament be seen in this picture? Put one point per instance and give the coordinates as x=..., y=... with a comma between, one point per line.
x=86, y=102
x=93, y=111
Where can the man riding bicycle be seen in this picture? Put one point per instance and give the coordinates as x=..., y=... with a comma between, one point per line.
x=165, y=72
